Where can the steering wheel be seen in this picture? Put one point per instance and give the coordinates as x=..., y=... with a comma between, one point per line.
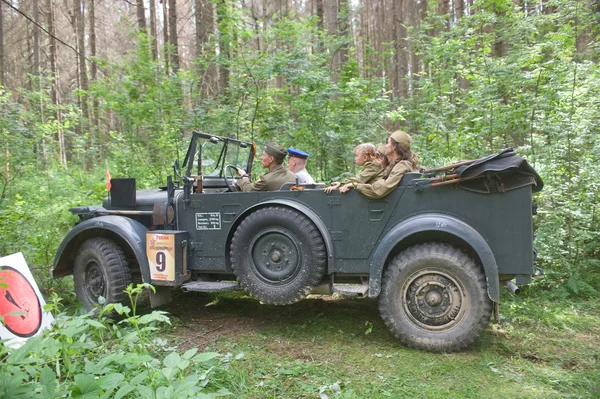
x=233, y=172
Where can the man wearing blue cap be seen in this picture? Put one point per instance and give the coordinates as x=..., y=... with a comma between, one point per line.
x=297, y=164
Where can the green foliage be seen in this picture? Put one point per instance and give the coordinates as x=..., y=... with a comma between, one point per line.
x=496, y=78
x=86, y=357
x=287, y=94
x=539, y=95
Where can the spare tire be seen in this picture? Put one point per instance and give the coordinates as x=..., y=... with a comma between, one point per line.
x=278, y=255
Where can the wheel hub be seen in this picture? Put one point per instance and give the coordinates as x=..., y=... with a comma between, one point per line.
x=433, y=299
x=276, y=256
x=95, y=281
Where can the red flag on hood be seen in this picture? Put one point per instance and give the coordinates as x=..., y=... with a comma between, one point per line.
x=108, y=180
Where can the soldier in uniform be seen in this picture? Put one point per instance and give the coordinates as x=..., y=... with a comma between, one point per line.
x=371, y=171
x=297, y=164
x=272, y=159
x=402, y=160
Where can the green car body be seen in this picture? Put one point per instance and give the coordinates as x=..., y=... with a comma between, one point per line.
x=436, y=255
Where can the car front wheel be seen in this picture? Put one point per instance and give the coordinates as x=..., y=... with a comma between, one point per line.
x=100, y=270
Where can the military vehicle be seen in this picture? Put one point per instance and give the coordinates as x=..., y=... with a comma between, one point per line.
x=435, y=251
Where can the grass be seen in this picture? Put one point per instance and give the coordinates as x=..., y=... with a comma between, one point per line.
x=339, y=348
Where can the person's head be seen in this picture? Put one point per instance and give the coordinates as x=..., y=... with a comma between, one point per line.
x=296, y=160
x=381, y=157
x=398, y=146
x=364, y=153
x=273, y=155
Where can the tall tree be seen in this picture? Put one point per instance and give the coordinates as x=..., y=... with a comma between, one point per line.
x=60, y=137
x=224, y=27
x=320, y=13
x=344, y=28
x=166, y=35
x=80, y=31
x=36, y=38
x=141, y=16
x=93, y=67
x=331, y=26
x=1, y=46
x=173, y=35
x=204, y=17
x=153, y=39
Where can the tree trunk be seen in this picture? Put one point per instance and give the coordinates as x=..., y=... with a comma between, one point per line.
x=83, y=78
x=153, y=38
x=343, y=28
x=141, y=16
x=204, y=17
x=60, y=137
x=93, y=68
x=224, y=38
x=166, y=35
x=401, y=58
x=1, y=45
x=173, y=36
x=331, y=17
x=460, y=9
x=444, y=9
x=320, y=14
x=36, y=38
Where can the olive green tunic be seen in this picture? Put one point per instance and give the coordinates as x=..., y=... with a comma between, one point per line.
x=370, y=173
x=270, y=181
x=382, y=187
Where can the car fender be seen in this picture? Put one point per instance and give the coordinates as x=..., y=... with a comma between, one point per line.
x=128, y=233
x=434, y=223
x=308, y=213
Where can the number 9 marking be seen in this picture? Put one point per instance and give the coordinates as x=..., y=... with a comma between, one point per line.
x=161, y=261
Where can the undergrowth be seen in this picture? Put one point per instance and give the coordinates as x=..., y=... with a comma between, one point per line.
x=110, y=353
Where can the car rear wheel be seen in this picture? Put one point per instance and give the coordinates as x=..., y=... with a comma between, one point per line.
x=278, y=255
x=101, y=269
x=434, y=298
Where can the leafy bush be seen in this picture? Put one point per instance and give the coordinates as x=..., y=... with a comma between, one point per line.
x=100, y=357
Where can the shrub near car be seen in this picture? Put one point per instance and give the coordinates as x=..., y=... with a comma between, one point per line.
x=435, y=251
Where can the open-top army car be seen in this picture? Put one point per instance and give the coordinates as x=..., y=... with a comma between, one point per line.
x=435, y=251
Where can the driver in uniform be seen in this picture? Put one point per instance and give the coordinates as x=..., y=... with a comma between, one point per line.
x=272, y=159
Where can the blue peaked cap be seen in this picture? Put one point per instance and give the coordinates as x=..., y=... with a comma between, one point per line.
x=297, y=153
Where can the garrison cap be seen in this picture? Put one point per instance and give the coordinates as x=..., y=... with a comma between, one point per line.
x=297, y=153
x=381, y=148
x=275, y=150
x=402, y=138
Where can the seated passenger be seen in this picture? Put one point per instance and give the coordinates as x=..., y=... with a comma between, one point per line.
x=371, y=171
x=381, y=157
x=272, y=159
x=297, y=164
x=402, y=160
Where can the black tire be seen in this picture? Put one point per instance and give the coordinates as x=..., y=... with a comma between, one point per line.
x=277, y=255
x=434, y=297
x=101, y=269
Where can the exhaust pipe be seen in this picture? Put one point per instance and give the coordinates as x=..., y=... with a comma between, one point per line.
x=513, y=287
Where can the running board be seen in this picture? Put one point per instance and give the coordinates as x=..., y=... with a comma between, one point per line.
x=210, y=286
x=351, y=289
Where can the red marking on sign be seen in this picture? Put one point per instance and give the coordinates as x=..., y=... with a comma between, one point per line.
x=17, y=296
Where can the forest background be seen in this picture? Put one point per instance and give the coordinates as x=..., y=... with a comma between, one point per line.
x=87, y=85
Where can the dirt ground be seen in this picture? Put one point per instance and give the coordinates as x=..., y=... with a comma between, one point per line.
x=199, y=319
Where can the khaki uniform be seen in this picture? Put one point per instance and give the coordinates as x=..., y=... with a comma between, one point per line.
x=370, y=173
x=270, y=181
x=383, y=187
